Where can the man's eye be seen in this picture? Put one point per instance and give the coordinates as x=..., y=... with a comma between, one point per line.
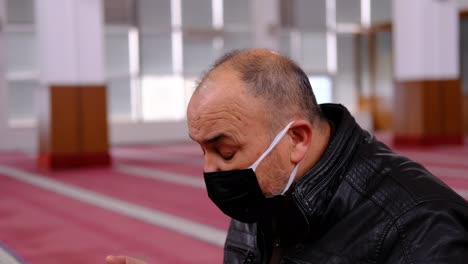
x=228, y=156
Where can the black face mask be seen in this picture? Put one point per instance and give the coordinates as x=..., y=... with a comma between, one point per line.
x=237, y=192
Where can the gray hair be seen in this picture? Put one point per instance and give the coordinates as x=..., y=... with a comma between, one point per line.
x=275, y=78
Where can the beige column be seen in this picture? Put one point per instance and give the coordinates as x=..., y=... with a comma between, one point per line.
x=428, y=97
x=72, y=113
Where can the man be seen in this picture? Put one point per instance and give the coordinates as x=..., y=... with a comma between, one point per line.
x=304, y=183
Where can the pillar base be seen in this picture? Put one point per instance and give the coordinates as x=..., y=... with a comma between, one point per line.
x=426, y=141
x=465, y=112
x=428, y=113
x=66, y=161
x=73, y=127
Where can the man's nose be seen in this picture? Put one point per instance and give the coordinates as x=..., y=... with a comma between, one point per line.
x=209, y=163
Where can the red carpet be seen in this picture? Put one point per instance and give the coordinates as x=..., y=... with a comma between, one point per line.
x=45, y=227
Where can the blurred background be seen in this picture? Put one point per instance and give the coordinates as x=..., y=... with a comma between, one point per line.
x=94, y=150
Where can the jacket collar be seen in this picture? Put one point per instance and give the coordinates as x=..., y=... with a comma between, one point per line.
x=315, y=189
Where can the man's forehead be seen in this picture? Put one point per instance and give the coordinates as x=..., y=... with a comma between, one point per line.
x=218, y=91
x=222, y=101
x=216, y=117
x=210, y=130
x=202, y=104
x=217, y=110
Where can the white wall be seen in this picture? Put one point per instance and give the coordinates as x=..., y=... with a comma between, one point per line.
x=464, y=53
x=345, y=90
x=3, y=90
x=265, y=17
x=26, y=138
x=384, y=71
x=148, y=132
x=418, y=27
x=463, y=4
x=381, y=11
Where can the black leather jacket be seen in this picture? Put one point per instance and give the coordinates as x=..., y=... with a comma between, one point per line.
x=361, y=203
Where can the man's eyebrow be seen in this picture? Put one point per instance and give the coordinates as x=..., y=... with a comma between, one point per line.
x=214, y=139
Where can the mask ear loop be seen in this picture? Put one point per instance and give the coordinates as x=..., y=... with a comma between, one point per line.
x=272, y=145
x=291, y=179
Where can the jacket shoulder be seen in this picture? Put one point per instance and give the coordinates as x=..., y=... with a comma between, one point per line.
x=393, y=182
x=431, y=232
x=426, y=221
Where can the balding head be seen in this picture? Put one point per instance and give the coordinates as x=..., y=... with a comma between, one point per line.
x=242, y=103
x=277, y=80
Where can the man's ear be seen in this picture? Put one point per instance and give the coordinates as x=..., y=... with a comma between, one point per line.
x=301, y=135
